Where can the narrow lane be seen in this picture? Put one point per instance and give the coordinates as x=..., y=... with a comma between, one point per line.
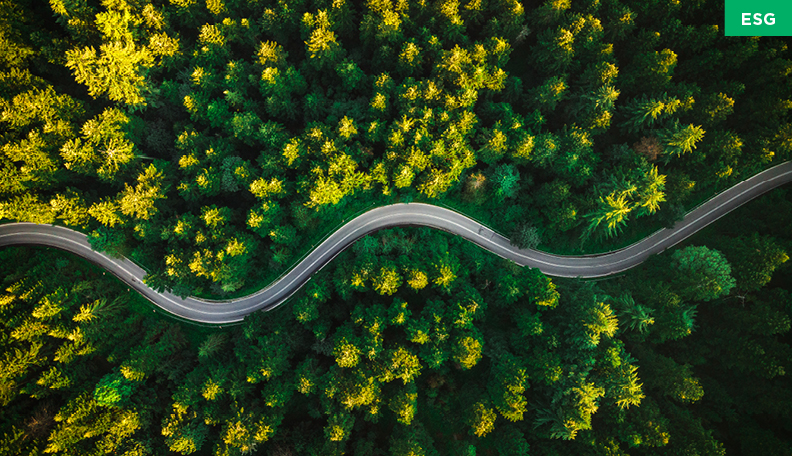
x=411, y=214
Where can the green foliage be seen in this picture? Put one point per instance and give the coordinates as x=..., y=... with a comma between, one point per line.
x=525, y=236
x=636, y=317
x=111, y=241
x=645, y=112
x=653, y=69
x=261, y=125
x=482, y=420
x=506, y=181
x=679, y=140
x=115, y=70
x=674, y=380
x=112, y=389
x=104, y=148
x=212, y=345
x=702, y=274
x=139, y=201
x=754, y=258
x=623, y=196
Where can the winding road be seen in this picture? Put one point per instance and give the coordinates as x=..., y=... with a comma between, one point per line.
x=412, y=214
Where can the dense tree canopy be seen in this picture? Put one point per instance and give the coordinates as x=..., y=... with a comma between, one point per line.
x=215, y=142
x=580, y=121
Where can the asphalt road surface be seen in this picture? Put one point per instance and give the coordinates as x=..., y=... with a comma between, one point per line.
x=410, y=214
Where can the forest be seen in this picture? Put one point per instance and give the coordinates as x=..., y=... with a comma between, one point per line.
x=215, y=142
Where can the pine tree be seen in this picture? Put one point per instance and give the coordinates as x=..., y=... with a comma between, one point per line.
x=404, y=404
x=635, y=317
x=104, y=149
x=753, y=258
x=701, y=274
x=645, y=112
x=525, y=236
x=323, y=49
x=506, y=388
x=212, y=345
x=555, y=50
x=505, y=179
x=139, y=201
x=118, y=70
x=678, y=140
x=481, y=419
x=611, y=215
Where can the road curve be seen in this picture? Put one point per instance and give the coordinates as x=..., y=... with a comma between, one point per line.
x=411, y=214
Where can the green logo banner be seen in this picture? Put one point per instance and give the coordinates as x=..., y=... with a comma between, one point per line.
x=758, y=18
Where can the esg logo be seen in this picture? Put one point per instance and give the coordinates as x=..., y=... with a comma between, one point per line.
x=769, y=19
